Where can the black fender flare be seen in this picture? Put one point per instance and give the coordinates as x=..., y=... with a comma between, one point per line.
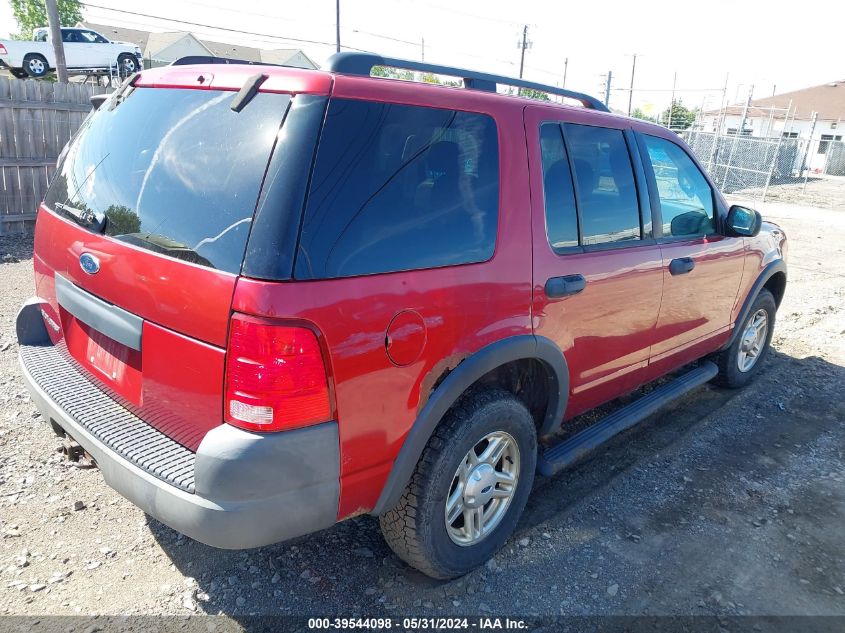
x=771, y=269
x=457, y=382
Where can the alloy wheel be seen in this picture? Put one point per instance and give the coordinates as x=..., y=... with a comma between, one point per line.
x=482, y=488
x=753, y=340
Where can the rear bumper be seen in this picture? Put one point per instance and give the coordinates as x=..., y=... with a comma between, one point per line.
x=246, y=489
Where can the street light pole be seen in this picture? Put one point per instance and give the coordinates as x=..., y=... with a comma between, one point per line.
x=56, y=36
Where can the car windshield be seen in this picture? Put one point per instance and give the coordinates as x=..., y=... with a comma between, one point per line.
x=171, y=170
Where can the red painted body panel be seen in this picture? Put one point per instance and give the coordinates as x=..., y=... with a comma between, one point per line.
x=695, y=311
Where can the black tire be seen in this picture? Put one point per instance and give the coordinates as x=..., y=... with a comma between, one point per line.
x=730, y=375
x=127, y=64
x=18, y=73
x=416, y=528
x=35, y=65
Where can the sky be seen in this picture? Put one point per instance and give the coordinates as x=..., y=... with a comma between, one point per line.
x=770, y=46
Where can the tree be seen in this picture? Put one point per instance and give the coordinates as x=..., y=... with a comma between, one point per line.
x=122, y=220
x=32, y=14
x=637, y=113
x=681, y=116
x=392, y=73
x=534, y=94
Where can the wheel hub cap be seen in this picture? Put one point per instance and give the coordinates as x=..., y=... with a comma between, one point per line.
x=479, y=486
x=482, y=488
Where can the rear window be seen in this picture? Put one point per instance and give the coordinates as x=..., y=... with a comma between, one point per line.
x=398, y=187
x=174, y=171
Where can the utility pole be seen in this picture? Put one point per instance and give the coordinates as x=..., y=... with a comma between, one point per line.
x=337, y=23
x=523, y=46
x=607, y=88
x=422, y=47
x=672, y=100
x=565, y=70
x=56, y=36
x=631, y=91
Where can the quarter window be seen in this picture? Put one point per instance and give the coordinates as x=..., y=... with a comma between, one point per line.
x=561, y=214
x=398, y=187
x=686, y=200
x=607, y=192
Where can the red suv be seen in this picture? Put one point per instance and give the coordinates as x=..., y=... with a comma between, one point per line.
x=270, y=299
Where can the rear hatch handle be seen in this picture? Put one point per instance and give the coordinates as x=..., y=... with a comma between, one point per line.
x=116, y=323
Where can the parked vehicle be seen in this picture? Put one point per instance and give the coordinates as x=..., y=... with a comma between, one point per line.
x=289, y=298
x=85, y=50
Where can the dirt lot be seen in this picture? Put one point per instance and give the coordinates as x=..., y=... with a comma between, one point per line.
x=727, y=503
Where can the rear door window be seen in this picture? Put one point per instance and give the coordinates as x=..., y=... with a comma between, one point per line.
x=174, y=171
x=607, y=191
x=561, y=214
x=686, y=199
x=399, y=187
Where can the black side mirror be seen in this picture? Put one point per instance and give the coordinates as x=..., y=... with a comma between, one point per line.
x=743, y=222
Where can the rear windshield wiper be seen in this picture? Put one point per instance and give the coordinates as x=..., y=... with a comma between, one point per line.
x=92, y=220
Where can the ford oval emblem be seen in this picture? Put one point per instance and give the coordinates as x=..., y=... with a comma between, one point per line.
x=89, y=263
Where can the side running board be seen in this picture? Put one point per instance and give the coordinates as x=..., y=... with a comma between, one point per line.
x=562, y=455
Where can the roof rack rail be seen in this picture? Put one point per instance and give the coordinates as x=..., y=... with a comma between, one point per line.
x=352, y=63
x=210, y=59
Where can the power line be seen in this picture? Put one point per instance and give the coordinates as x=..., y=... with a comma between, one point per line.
x=221, y=28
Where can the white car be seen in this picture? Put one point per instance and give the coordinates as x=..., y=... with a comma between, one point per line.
x=84, y=50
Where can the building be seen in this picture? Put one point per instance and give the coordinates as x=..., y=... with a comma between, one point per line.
x=163, y=48
x=815, y=114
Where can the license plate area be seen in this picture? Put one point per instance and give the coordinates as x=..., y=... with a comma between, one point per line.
x=117, y=366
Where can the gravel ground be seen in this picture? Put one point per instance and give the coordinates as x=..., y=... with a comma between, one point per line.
x=727, y=503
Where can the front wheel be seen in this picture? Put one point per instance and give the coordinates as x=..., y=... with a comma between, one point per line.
x=739, y=363
x=127, y=64
x=35, y=65
x=469, y=487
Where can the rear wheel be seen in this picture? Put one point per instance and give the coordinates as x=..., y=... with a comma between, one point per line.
x=469, y=488
x=739, y=363
x=127, y=64
x=35, y=65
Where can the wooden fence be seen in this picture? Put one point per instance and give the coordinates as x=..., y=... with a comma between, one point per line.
x=37, y=118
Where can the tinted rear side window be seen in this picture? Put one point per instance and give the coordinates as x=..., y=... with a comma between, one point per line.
x=607, y=192
x=174, y=171
x=398, y=187
x=561, y=214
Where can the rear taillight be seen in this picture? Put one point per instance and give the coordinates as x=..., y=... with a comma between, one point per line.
x=275, y=376
x=3, y=50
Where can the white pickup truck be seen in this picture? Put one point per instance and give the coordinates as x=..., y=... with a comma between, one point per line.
x=85, y=50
